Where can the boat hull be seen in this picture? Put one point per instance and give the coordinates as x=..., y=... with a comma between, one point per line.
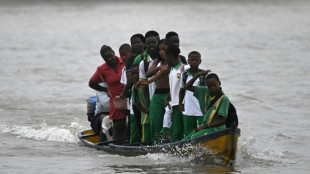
x=220, y=146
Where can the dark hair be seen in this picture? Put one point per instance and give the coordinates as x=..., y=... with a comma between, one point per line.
x=214, y=76
x=194, y=53
x=171, y=33
x=125, y=46
x=173, y=50
x=138, y=35
x=151, y=33
x=105, y=49
x=162, y=41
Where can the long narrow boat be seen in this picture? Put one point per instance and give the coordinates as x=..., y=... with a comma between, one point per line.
x=219, y=146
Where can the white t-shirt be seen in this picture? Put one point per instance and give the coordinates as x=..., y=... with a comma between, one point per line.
x=142, y=76
x=191, y=103
x=174, y=82
x=103, y=100
x=124, y=77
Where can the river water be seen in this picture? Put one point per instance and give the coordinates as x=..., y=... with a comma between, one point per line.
x=50, y=49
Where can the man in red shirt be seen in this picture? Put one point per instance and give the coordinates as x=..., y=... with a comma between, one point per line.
x=111, y=72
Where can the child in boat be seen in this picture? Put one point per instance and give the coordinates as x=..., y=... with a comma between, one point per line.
x=174, y=69
x=157, y=105
x=173, y=38
x=135, y=136
x=125, y=52
x=189, y=105
x=145, y=94
x=214, y=104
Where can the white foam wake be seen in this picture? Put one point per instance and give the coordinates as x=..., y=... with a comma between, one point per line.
x=44, y=132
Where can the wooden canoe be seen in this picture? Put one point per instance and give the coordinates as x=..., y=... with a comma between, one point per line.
x=219, y=146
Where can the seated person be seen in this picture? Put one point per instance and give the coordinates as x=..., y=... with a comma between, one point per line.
x=97, y=109
x=214, y=104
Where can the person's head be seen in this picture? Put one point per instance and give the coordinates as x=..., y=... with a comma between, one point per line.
x=172, y=54
x=213, y=83
x=194, y=59
x=151, y=42
x=152, y=33
x=125, y=51
x=162, y=47
x=108, y=55
x=134, y=70
x=137, y=42
x=173, y=38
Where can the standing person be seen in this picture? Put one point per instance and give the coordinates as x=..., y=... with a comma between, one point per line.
x=110, y=72
x=174, y=69
x=213, y=102
x=157, y=105
x=137, y=42
x=135, y=135
x=177, y=68
x=125, y=52
x=189, y=105
x=137, y=48
x=145, y=94
x=173, y=38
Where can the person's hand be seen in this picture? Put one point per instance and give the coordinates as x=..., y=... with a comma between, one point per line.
x=117, y=98
x=201, y=128
x=181, y=106
x=164, y=69
x=203, y=73
x=90, y=117
x=167, y=103
x=141, y=84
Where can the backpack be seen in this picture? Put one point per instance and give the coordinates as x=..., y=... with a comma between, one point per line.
x=202, y=79
x=232, y=117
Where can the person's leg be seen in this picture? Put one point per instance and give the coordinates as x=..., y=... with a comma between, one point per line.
x=157, y=112
x=146, y=133
x=133, y=129
x=119, y=129
x=177, y=125
x=199, y=120
x=190, y=124
x=137, y=114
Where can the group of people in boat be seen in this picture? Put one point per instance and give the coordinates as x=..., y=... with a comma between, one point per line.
x=169, y=97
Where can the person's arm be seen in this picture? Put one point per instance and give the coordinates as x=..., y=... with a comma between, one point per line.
x=168, y=98
x=222, y=120
x=164, y=70
x=181, y=98
x=96, y=86
x=141, y=108
x=153, y=69
x=126, y=92
x=189, y=85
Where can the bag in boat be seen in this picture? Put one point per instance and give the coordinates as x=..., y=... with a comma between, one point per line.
x=121, y=103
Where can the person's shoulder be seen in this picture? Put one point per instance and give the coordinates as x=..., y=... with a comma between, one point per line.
x=102, y=67
x=137, y=59
x=186, y=67
x=120, y=61
x=183, y=59
x=225, y=98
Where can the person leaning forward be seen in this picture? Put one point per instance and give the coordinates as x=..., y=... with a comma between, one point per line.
x=110, y=72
